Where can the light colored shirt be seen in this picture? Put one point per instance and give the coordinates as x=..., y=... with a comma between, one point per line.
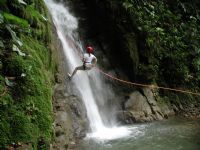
x=88, y=59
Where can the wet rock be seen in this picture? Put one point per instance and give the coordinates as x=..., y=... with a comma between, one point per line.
x=72, y=145
x=137, y=108
x=59, y=133
x=167, y=112
x=175, y=108
x=142, y=107
x=59, y=92
x=181, y=106
x=58, y=78
x=150, y=97
x=69, y=118
x=137, y=102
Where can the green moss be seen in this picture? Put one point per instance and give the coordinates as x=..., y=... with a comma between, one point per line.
x=26, y=108
x=34, y=90
x=6, y=101
x=5, y=133
x=22, y=129
x=37, y=51
x=14, y=66
x=32, y=12
x=2, y=80
x=38, y=19
x=12, y=19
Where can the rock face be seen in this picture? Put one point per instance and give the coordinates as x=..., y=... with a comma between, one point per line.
x=70, y=120
x=142, y=107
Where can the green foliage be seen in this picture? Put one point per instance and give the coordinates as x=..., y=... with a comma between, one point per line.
x=11, y=19
x=22, y=129
x=25, y=108
x=6, y=101
x=1, y=83
x=5, y=133
x=15, y=39
x=127, y=5
x=15, y=7
x=1, y=18
x=171, y=37
x=14, y=66
x=38, y=20
x=22, y=2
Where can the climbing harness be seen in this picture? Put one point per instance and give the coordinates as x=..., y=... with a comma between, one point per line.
x=139, y=84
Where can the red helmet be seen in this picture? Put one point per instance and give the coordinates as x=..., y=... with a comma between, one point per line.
x=90, y=49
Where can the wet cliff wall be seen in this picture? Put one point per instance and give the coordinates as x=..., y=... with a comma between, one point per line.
x=27, y=70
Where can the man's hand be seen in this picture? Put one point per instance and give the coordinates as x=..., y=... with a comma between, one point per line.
x=94, y=62
x=83, y=60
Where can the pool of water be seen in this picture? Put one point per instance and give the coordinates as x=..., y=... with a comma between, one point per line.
x=171, y=134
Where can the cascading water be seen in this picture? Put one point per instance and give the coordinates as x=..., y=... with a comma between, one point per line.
x=66, y=26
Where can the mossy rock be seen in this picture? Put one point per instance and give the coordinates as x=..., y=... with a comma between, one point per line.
x=40, y=114
x=14, y=66
x=26, y=108
x=12, y=19
x=22, y=129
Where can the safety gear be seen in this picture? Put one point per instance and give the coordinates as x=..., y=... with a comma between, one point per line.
x=90, y=49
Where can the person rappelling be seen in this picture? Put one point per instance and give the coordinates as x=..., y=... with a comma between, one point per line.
x=89, y=61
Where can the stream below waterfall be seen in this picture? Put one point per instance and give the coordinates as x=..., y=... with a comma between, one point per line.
x=171, y=134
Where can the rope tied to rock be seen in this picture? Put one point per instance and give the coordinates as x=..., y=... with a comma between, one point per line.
x=146, y=85
x=80, y=53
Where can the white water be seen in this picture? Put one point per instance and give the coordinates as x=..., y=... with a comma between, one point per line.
x=66, y=26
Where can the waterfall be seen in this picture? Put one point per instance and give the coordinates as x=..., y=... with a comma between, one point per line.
x=66, y=26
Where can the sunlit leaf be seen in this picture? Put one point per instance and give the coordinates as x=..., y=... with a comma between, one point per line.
x=45, y=19
x=23, y=75
x=16, y=49
x=14, y=36
x=159, y=29
x=1, y=18
x=8, y=83
x=22, y=2
x=127, y=5
x=1, y=44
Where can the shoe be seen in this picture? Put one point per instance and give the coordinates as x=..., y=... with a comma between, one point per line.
x=69, y=75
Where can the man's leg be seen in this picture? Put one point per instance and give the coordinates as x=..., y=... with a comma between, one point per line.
x=75, y=70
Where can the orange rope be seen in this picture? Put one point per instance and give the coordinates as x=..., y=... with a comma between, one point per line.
x=145, y=85
x=138, y=84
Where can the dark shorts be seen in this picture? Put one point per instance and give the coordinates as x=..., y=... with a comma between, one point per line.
x=86, y=68
x=83, y=67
